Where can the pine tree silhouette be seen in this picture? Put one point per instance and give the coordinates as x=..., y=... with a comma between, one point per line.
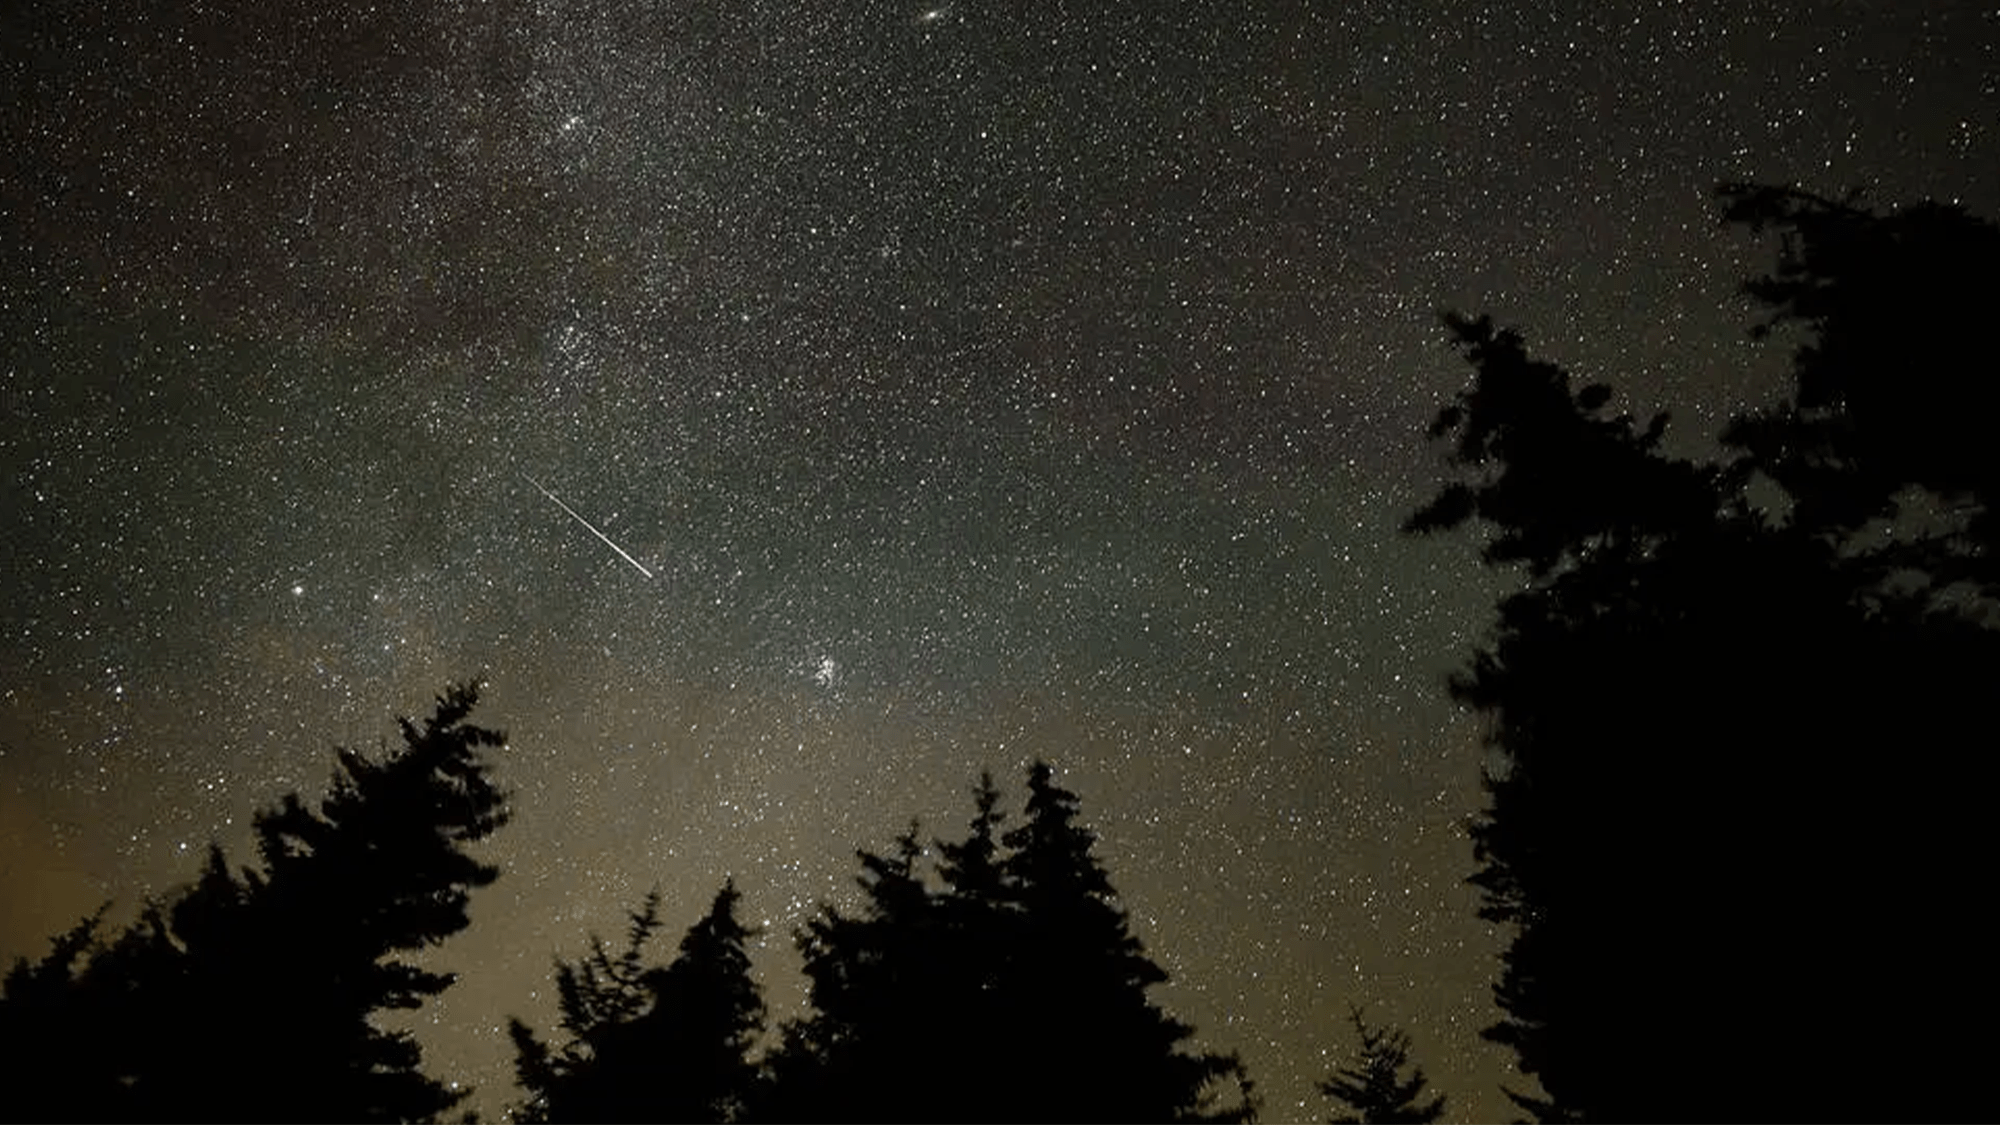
x=974, y=878
x=1691, y=698
x=1011, y=990
x=870, y=1049
x=249, y=996
x=598, y=996
x=1098, y=1048
x=48, y=1017
x=708, y=1014
x=979, y=928
x=1373, y=1086
x=651, y=1044
x=1892, y=375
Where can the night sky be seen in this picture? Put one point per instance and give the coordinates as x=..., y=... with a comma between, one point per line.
x=965, y=384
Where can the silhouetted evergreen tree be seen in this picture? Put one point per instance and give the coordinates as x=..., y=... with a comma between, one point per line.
x=1372, y=1086
x=1893, y=379
x=651, y=1044
x=1013, y=990
x=870, y=1049
x=708, y=1014
x=250, y=996
x=48, y=1019
x=1097, y=1048
x=598, y=997
x=1716, y=815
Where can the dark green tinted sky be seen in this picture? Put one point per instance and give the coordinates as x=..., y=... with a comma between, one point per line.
x=976, y=382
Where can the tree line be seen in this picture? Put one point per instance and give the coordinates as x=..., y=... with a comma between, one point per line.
x=1000, y=981
x=1740, y=720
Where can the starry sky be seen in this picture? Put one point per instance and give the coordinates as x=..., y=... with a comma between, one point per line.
x=792, y=409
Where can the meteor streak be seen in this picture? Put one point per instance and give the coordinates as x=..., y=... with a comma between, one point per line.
x=636, y=565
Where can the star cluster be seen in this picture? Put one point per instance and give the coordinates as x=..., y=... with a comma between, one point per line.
x=967, y=383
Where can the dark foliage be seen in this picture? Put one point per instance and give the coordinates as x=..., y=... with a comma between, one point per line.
x=1081, y=975
x=1732, y=820
x=54, y=1022
x=1013, y=990
x=651, y=1044
x=598, y=996
x=1894, y=384
x=249, y=997
x=1554, y=473
x=872, y=1046
x=1372, y=1086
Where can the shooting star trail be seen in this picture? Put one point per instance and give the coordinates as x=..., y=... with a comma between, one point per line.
x=636, y=565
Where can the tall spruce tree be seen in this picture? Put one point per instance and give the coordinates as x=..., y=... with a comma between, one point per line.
x=598, y=996
x=708, y=1014
x=50, y=1018
x=1096, y=1047
x=665, y=1043
x=1009, y=989
x=979, y=930
x=871, y=1047
x=1712, y=722
x=1372, y=1085
x=1892, y=385
x=250, y=996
